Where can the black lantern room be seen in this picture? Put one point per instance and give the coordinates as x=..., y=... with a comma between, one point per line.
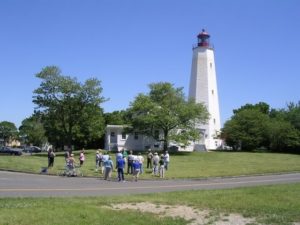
x=203, y=39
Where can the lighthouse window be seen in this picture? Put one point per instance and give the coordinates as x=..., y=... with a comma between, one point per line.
x=212, y=91
x=214, y=121
x=210, y=65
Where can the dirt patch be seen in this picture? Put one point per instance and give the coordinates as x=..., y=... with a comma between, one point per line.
x=195, y=216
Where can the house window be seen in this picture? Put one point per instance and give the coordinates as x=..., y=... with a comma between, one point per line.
x=112, y=134
x=123, y=135
x=136, y=135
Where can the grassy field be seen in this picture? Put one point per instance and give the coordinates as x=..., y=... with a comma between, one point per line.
x=278, y=205
x=184, y=165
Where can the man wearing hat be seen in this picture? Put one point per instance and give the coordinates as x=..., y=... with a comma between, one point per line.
x=149, y=159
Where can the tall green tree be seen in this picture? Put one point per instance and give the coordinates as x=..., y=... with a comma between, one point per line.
x=116, y=117
x=32, y=131
x=247, y=129
x=284, y=130
x=293, y=114
x=261, y=106
x=8, y=131
x=70, y=110
x=165, y=109
x=283, y=136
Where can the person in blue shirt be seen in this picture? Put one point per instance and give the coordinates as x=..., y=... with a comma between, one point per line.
x=108, y=164
x=120, y=167
x=136, y=170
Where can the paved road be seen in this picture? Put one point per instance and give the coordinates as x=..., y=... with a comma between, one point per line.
x=32, y=185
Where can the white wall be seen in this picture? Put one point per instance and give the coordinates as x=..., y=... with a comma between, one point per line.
x=203, y=88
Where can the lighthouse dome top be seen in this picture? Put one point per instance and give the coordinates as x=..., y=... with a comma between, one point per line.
x=203, y=34
x=203, y=39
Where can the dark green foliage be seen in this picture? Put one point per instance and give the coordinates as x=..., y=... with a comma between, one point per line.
x=70, y=111
x=255, y=126
x=116, y=118
x=32, y=131
x=261, y=107
x=165, y=109
x=8, y=131
x=246, y=130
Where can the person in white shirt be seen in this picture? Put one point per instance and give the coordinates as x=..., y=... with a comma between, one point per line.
x=155, y=163
x=140, y=159
x=166, y=160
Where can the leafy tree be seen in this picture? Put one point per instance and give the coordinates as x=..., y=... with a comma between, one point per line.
x=293, y=114
x=282, y=135
x=164, y=108
x=261, y=106
x=32, y=131
x=116, y=117
x=247, y=129
x=70, y=110
x=8, y=131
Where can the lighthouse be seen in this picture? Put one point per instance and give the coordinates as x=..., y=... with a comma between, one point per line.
x=203, y=89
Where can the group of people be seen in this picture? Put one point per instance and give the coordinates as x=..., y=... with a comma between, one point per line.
x=135, y=164
x=158, y=164
x=69, y=158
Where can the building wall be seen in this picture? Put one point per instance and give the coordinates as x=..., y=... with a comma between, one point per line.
x=136, y=142
x=142, y=143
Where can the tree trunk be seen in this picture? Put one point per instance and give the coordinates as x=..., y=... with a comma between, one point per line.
x=166, y=140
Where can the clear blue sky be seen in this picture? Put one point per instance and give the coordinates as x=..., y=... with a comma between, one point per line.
x=128, y=44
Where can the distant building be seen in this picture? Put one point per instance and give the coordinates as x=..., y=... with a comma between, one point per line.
x=117, y=139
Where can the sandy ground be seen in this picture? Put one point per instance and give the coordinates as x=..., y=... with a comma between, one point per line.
x=194, y=216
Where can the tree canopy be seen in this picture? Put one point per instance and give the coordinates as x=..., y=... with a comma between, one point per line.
x=256, y=126
x=8, y=131
x=116, y=117
x=32, y=131
x=165, y=109
x=70, y=110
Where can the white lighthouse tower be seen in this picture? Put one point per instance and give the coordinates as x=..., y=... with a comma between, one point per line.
x=203, y=89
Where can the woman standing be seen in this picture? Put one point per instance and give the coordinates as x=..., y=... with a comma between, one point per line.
x=81, y=157
x=51, y=156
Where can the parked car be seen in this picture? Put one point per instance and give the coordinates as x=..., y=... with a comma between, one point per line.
x=10, y=151
x=31, y=149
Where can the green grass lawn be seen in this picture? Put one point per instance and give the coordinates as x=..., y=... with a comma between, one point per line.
x=184, y=165
x=275, y=204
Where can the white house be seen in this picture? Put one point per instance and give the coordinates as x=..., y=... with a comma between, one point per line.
x=117, y=139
